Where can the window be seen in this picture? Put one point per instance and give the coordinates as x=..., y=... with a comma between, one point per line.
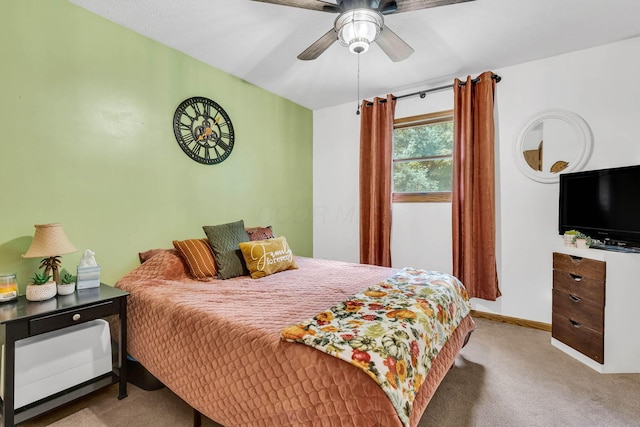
x=423, y=158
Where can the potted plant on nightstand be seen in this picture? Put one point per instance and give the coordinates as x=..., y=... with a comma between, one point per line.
x=41, y=288
x=68, y=285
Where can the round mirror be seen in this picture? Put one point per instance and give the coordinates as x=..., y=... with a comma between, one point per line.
x=552, y=142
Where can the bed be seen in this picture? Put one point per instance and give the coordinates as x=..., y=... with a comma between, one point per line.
x=217, y=344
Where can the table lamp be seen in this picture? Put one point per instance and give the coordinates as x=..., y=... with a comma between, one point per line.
x=50, y=242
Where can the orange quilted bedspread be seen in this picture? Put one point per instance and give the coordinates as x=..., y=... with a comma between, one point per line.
x=217, y=345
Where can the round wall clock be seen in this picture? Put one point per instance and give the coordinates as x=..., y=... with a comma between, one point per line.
x=203, y=130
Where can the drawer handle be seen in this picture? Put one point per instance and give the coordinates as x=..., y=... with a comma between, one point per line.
x=576, y=258
x=575, y=277
x=575, y=324
x=76, y=317
x=574, y=298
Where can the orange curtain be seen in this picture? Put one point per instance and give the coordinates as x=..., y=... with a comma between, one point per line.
x=376, y=145
x=473, y=194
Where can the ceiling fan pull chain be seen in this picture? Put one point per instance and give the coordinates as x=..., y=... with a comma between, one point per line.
x=358, y=111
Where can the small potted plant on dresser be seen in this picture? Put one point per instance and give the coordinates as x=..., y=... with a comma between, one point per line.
x=583, y=241
x=570, y=238
x=68, y=285
x=41, y=288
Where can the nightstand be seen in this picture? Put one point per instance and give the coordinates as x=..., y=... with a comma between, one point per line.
x=23, y=319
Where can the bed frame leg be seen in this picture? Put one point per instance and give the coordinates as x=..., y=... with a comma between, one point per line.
x=197, y=418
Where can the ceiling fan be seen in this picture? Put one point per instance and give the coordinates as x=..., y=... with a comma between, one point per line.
x=360, y=23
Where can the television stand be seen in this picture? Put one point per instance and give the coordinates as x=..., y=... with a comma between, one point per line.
x=595, y=296
x=616, y=248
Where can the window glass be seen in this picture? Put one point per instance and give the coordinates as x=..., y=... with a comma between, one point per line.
x=422, y=155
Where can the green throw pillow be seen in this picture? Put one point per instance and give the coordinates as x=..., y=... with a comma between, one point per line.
x=225, y=240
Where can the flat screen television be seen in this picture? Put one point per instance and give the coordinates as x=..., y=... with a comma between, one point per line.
x=603, y=204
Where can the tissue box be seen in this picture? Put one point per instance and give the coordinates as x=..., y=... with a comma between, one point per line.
x=88, y=277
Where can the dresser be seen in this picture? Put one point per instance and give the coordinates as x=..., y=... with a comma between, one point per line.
x=595, y=302
x=578, y=303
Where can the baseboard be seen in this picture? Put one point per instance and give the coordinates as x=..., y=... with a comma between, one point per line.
x=512, y=320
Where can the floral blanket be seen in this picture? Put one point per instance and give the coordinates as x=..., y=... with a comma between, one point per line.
x=391, y=330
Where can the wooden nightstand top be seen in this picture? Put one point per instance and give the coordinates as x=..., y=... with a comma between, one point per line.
x=21, y=308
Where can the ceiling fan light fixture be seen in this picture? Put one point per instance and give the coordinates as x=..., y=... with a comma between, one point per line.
x=358, y=28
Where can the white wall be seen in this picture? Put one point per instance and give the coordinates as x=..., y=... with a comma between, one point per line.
x=336, y=152
x=598, y=84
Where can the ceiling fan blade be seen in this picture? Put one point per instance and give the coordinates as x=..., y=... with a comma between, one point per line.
x=410, y=5
x=318, y=5
x=387, y=7
x=395, y=48
x=319, y=46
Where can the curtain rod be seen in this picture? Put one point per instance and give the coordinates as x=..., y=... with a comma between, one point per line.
x=423, y=93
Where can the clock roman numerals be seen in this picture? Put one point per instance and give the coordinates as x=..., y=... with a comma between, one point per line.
x=191, y=118
x=195, y=150
x=222, y=145
x=198, y=150
x=188, y=137
x=196, y=108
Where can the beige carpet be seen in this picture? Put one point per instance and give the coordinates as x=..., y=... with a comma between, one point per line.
x=512, y=376
x=506, y=376
x=83, y=418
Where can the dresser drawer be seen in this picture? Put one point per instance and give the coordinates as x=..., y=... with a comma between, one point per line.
x=585, y=340
x=580, y=311
x=61, y=320
x=579, y=266
x=582, y=287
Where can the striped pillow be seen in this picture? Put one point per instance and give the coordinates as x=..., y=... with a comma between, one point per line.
x=198, y=256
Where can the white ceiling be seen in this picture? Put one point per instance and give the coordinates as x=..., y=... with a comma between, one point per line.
x=259, y=42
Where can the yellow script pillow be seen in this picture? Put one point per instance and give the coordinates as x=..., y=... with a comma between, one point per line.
x=265, y=257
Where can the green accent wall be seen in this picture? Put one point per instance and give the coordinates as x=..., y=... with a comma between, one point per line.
x=86, y=109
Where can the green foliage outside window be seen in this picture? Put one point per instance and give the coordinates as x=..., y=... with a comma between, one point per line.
x=423, y=158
